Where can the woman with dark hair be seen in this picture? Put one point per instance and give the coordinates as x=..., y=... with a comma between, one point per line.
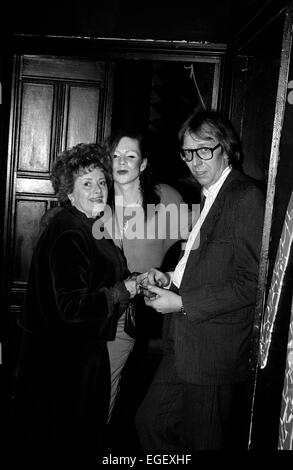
x=78, y=288
x=143, y=227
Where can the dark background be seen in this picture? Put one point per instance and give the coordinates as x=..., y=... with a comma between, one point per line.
x=252, y=108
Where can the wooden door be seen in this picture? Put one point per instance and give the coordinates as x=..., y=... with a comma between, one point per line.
x=56, y=103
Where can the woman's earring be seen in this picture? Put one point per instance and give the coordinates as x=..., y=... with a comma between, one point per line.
x=71, y=199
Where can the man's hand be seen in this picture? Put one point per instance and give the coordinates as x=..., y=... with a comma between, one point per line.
x=158, y=278
x=164, y=300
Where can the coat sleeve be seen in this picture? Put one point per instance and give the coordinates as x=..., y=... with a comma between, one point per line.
x=233, y=293
x=77, y=299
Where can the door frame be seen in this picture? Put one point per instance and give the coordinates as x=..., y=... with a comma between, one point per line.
x=269, y=13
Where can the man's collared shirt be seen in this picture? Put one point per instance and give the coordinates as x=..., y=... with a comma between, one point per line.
x=210, y=195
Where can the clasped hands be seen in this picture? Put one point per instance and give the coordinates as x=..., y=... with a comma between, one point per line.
x=139, y=283
x=153, y=285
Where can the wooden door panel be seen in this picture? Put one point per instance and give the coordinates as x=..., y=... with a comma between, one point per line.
x=64, y=68
x=83, y=108
x=28, y=185
x=35, y=127
x=27, y=216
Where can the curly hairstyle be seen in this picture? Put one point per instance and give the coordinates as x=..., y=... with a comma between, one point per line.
x=76, y=161
x=147, y=181
x=207, y=124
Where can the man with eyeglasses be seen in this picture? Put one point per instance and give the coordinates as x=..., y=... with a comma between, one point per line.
x=197, y=398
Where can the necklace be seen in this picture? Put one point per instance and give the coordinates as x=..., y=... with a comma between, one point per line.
x=122, y=224
x=124, y=227
x=138, y=202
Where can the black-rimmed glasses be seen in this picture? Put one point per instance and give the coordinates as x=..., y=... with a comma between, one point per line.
x=204, y=153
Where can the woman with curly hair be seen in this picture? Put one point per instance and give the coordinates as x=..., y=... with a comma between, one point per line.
x=78, y=288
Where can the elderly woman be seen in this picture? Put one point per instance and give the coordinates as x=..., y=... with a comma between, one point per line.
x=78, y=288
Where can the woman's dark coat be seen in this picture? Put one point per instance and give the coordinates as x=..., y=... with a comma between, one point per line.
x=63, y=383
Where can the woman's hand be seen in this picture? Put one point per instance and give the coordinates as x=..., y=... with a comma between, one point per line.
x=164, y=300
x=130, y=284
x=153, y=277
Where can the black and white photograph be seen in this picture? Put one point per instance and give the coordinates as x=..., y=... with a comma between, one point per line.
x=146, y=224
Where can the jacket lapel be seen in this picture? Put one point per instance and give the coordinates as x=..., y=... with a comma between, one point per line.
x=208, y=225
